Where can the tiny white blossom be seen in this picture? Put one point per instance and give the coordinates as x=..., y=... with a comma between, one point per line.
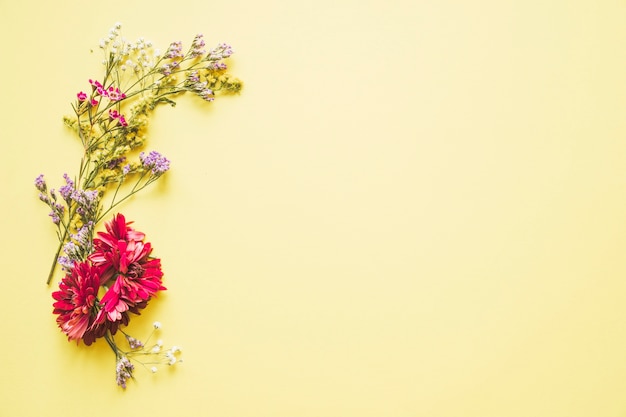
x=153, y=369
x=159, y=342
x=157, y=324
x=172, y=360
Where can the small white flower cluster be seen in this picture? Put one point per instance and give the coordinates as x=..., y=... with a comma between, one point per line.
x=137, y=56
x=156, y=352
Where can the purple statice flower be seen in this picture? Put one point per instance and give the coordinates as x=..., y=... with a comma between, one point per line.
x=193, y=77
x=55, y=217
x=216, y=66
x=207, y=94
x=40, y=183
x=67, y=189
x=175, y=50
x=134, y=343
x=123, y=371
x=126, y=169
x=114, y=163
x=85, y=198
x=72, y=250
x=166, y=69
x=66, y=263
x=200, y=88
x=155, y=161
x=197, y=46
x=221, y=51
x=59, y=208
x=87, y=202
x=83, y=236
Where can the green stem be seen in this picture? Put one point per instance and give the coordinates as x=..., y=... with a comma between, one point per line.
x=56, y=257
x=111, y=342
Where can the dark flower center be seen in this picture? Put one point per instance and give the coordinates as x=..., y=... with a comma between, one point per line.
x=135, y=271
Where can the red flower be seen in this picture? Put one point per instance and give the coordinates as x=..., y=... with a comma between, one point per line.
x=125, y=260
x=76, y=302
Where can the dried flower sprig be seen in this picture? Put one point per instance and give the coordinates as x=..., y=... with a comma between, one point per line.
x=114, y=274
x=111, y=121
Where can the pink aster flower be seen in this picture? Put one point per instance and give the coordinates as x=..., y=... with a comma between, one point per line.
x=81, y=96
x=76, y=302
x=113, y=114
x=125, y=260
x=115, y=94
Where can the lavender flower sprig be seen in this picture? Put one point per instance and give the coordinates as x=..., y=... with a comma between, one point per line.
x=111, y=118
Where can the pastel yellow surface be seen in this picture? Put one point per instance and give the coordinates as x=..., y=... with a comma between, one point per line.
x=415, y=208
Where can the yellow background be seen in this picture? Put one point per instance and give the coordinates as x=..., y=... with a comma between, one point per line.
x=415, y=208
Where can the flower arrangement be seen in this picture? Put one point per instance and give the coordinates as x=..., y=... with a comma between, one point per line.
x=111, y=274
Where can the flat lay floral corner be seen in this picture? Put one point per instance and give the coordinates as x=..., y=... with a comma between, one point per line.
x=109, y=271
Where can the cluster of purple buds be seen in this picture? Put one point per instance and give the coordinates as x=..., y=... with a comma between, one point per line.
x=66, y=263
x=50, y=199
x=87, y=202
x=67, y=189
x=154, y=161
x=193, y=77
x=40, y=183
x=72, y=250
x=216, y=65
x=114, y=163
x=197, y=46
x=221, y=51
x=134, y=343
x=56, y=213
x=167, y=69
x=199, y=87
x=79, y=246
x=84, y=236
x=123, y=371
x=175, y=50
